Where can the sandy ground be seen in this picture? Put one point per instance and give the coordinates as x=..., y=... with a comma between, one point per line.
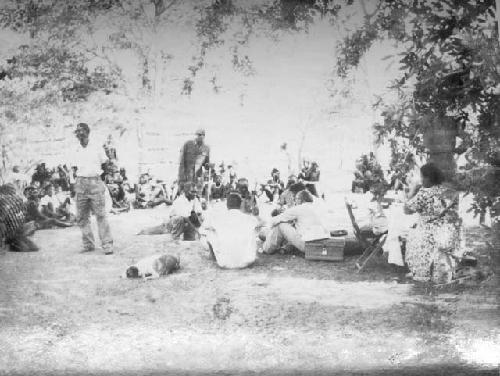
x=66, y=312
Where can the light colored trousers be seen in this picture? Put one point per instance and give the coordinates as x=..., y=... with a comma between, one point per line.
x=282, y=234
x=90, y=198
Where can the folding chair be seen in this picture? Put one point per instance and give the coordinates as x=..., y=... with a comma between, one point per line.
x=371, y=243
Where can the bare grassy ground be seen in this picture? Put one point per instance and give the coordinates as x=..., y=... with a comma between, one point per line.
x=65, y=312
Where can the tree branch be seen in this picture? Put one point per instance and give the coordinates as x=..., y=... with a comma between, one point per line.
x=160, y=6
x=368, y=16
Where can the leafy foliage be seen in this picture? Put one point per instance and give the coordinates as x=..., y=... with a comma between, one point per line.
x=450, y=66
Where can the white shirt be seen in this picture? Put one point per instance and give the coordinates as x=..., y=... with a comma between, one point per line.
x=88, y=159
x=231, y=233
x=307, y=221
x=182, y=207
x=54, y=200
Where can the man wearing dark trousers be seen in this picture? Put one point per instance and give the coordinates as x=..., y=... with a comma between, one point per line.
x=195, y=155
x=90, y=190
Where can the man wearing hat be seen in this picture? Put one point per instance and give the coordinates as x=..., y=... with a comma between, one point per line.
x=90, y=190
x=195, y=155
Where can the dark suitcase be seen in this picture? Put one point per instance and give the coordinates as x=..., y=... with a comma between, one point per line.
x=330, y=249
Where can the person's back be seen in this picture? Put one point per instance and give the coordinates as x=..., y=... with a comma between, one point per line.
x=231, y=235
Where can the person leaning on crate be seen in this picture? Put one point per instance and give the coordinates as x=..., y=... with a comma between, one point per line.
x=295, y=226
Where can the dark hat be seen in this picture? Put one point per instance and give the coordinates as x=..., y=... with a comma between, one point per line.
x=82, y=127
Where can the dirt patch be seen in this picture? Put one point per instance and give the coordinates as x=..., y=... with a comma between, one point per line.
x=70, y=312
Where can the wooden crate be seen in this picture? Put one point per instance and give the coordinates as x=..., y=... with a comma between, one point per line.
x=330, y=249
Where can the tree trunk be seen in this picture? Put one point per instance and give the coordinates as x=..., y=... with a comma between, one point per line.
x=440, y=139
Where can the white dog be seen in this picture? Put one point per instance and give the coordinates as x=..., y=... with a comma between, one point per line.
x=153, y=267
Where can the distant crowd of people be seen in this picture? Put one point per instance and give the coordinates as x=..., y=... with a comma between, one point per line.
x=216, y=205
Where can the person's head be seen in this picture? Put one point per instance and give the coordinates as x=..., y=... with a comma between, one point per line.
x=233, y=201
x=431, y=175
x=200, y=136
x=292, y=179
x=275, y=172
x=218, y=179
x=314, y=166
x=242, y=187
x=57, y=188
x=30, y=192
x=15, y=169
x=143, y=179
x=82, y=133
x=303, y=196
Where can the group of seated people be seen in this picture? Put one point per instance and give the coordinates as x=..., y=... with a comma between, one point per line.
x=435, y=236
x=232, y=228
x=232, y=215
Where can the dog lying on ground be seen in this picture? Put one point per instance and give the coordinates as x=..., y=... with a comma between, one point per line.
x=153, y=267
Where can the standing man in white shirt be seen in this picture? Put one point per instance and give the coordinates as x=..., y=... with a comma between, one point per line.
x=90, y=190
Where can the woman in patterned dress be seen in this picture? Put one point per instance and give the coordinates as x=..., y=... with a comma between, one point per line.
x=438, y=227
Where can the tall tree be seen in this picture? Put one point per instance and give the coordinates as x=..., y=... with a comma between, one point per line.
x=449, y=83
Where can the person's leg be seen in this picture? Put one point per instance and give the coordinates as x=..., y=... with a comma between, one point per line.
x=83, y=207
x=155, y=230
x=291, y=236
x=97, y=201
x=274, y=240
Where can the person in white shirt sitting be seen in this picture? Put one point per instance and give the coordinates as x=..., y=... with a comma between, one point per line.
x=231, y=235
x=185, y=216
x=49, y=204
x=295, y=226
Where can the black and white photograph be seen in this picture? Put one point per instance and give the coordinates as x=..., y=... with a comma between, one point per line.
x=250, y=187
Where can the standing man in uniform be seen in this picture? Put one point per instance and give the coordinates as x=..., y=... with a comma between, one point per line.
x=195, y=155
x=90, y=190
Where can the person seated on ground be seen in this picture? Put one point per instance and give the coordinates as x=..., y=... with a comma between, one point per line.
x=50, y=206
x=64, y=197
x=12, y=220
x=41, y=175
x=295, y=226
x=150, y=194
x=119, y=198
x=229, y=175
x=230, y=235
x=439, y=227
x=311, y=179
x=278, y=184
x=248, y=199
x=158, y=195
x=34, y=214
x=185, y=217
x=230, y=186
x=287, y=198
x=144, y=192
x=217, y=190
x=62, y=177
